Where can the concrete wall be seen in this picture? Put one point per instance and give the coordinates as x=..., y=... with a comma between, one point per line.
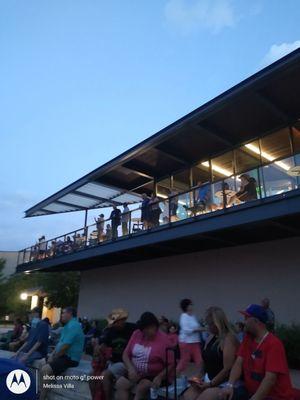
x=230, y=277
x=11, y=258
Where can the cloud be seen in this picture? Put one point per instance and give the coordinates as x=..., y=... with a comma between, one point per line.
x=277, y=51
x=188, y=16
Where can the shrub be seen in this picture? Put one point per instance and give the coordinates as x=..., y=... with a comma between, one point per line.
x=290, y=336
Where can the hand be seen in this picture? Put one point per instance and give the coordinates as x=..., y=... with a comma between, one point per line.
x=203, y=385
x=226, y=393
x=157, y=382
x=133, y=375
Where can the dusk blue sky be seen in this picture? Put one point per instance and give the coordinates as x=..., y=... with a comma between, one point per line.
x=83, y=80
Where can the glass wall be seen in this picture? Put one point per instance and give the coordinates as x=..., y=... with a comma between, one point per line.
x=262, y=168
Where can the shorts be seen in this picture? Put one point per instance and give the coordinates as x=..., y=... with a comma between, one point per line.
x=118, y=369
x=61, y=364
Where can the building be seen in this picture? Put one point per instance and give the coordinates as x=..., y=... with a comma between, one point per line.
x=226, y=231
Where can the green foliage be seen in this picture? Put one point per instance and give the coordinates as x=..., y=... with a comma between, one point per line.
x=290, y=336
x=61, y=288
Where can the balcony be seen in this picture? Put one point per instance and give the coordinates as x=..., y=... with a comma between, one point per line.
x=210, y=215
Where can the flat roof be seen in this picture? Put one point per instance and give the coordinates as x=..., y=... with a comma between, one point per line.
x=261, y=103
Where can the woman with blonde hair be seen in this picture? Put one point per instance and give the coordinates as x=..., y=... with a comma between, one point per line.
x=219, y=355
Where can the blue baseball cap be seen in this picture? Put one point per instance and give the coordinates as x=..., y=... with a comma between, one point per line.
x=256, y=311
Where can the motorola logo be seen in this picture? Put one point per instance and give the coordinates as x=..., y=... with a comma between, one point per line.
x=18, y=381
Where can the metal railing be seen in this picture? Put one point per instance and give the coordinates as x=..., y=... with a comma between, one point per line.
x=203, y=199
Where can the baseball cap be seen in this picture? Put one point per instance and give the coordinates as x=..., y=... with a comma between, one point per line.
x=256, y=311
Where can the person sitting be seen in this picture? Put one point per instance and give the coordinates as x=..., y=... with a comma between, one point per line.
x=115, y=337
x=218, y=355
x=145, y=360
x=163, y=323
x=15, y=344
x=239, y=329
x=68, y=350
x=261, y=360
x=18, y=330
x=203, y=196
x=36, y=345
x=173, y=335
x=247, y=190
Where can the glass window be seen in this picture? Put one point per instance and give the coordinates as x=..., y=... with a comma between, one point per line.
x=275, y=146
x=247, y=157
x=275, y=177
x=222, y=166
x=201, y=173
x=181, y=181
x=255, y=190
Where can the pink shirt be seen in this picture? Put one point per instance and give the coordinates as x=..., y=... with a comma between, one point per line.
x=148, y=356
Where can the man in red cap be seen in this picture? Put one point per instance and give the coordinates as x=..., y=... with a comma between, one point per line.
x=261, y=361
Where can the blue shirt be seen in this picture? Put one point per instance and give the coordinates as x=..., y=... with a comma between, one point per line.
x=72, y=335
x=38, y=334
x=204, y=193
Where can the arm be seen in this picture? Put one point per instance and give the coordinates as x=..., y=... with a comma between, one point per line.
x=20, y=349
x=61, y=351
x=33, y=348
x=235, y=374
x=132, y=373
x=265, y=387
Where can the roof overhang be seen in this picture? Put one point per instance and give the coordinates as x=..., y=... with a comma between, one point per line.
x=260, y=104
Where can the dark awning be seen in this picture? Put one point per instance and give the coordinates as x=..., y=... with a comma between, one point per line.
x=262, y=103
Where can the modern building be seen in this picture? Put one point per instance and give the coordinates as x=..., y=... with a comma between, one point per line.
x=224, y=226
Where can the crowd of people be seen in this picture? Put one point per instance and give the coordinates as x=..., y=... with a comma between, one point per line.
x=153, y=213
x=240, y=362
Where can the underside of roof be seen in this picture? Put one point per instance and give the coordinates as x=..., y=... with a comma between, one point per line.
x=260, y=104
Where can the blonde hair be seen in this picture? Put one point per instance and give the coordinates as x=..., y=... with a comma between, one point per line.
x=221, y=322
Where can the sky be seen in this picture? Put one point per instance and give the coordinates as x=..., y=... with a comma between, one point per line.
x=83, y=80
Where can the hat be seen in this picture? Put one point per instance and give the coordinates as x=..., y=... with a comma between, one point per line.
x=116, y=315
x=256, y=311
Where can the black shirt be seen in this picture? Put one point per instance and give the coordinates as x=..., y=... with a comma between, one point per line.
x=213, y=358
x=117, y=339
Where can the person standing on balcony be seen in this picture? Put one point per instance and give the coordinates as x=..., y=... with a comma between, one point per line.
x=125, y=218
x=189, y=337
x=115, y=218
x=145, y=211
x=42, y=245
x=155, y=211
x=100, y=226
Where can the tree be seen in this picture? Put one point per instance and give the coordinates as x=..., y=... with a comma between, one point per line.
x=61, y=289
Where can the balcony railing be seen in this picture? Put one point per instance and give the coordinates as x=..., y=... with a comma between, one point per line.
x=262, y=182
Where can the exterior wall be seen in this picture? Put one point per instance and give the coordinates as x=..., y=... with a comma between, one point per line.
x=230, y=277
x=11, y=258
